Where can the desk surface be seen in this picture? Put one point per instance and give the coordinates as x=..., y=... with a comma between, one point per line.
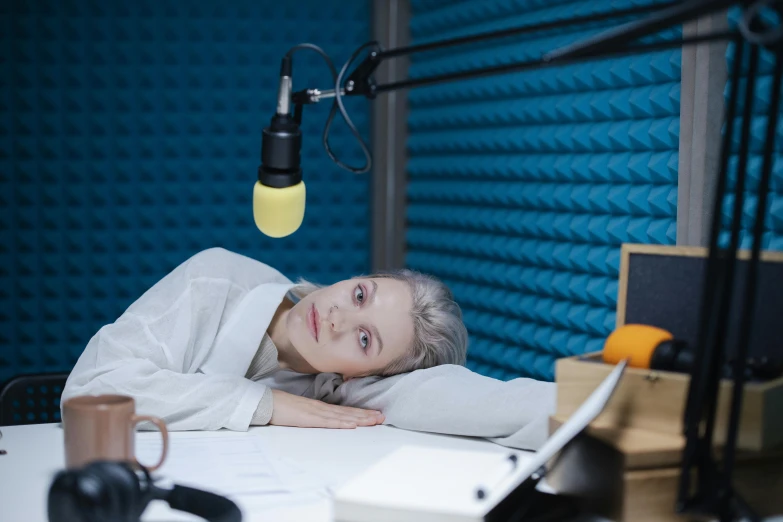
x=35, y=453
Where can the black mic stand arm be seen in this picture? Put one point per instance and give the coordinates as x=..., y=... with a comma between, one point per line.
x=713, y=492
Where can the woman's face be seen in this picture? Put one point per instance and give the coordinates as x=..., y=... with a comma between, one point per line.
x=354, y=327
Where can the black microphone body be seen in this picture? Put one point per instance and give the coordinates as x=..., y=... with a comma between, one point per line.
x=281, y=146
x=281, y=142
x=672, y=356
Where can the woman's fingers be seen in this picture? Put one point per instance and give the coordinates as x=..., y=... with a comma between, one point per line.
x=352, y=412
x=357, y=416
x=358, y=411
x=293, y=410
x=352, y=416
x=363, y=419
x=332, y=422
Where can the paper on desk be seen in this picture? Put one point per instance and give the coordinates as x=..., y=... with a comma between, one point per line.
x=232, y=465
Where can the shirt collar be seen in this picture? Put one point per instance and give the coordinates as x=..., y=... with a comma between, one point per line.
x=240, y=336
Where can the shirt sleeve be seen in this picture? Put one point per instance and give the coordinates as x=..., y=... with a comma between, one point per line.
x=263, y=413
x=153, y=351
x=446, y=399
x=452, y=400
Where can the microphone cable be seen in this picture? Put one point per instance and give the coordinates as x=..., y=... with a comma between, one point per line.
x=337, y=105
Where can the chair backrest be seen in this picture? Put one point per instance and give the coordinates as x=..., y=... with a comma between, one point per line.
x=31, y=399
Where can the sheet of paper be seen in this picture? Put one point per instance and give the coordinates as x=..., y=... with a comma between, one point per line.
x=220, y=463
x=233, y=465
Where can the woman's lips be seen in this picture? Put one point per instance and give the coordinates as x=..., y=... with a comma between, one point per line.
x=313, y=321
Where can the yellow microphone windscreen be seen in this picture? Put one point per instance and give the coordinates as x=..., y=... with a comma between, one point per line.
x=278, y=212
x=634, y=341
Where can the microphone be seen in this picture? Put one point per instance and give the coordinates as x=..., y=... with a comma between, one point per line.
x=647, y=347
x=654, y=348
x=279, y=194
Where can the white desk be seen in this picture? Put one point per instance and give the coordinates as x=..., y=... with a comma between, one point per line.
x=35, y=453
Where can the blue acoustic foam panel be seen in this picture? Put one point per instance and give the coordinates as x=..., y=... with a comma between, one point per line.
x=522, y=187
x=772, y=238
x=130, y=138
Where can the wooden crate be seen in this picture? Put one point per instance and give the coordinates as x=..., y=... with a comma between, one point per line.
x=655, y=400
x=632, y=475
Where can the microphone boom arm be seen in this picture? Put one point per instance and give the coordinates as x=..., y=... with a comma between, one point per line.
x=714, y=492
x=607, y=44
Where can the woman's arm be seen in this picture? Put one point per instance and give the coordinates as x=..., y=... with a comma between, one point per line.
x=153, y=352
x=133, y=357
x=452, y=400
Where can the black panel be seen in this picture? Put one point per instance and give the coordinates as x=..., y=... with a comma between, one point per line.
x=665, y=291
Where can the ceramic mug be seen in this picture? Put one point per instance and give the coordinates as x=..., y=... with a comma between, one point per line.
x=103, y=427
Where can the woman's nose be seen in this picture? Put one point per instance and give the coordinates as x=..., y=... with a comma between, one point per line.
x=336, y=319
x=331, y=319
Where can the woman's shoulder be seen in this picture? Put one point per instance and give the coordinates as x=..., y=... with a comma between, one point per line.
x=218, y=262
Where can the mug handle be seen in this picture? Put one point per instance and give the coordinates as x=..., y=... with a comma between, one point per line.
x=135, y=419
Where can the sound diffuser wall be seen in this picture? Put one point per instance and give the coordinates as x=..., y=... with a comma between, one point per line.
x=522, y=187
x=130, y=136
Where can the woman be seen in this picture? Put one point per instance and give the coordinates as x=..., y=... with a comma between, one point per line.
x=192, y=349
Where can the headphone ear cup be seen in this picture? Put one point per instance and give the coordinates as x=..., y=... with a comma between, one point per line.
x=62, y=504
x=123, y=499
x=99, y=492
x=115, y=492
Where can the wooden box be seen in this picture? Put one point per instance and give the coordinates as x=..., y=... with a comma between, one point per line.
x=655, y=400
x=632, y=475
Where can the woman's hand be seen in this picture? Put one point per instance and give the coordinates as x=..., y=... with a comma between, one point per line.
x=293, y=410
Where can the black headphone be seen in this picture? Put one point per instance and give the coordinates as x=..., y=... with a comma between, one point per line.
x=115, y=491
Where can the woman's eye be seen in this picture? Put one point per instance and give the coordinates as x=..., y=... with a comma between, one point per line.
x=363, y=339
x=358, y=294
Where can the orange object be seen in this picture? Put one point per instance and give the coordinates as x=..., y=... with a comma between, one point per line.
x=634, y=341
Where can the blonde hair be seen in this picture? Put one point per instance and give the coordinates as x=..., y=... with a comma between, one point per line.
x=439, y=335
